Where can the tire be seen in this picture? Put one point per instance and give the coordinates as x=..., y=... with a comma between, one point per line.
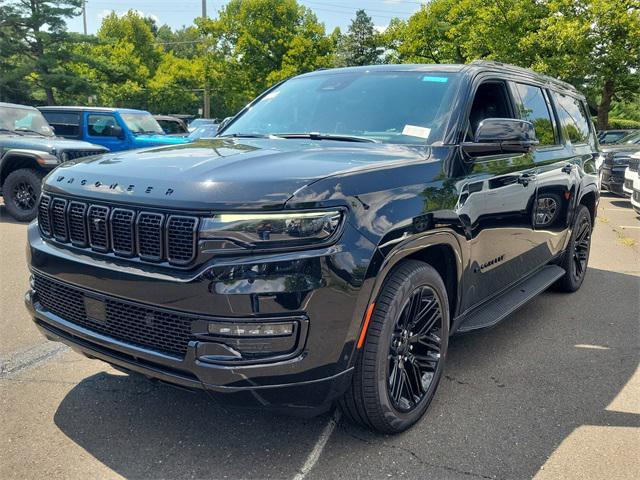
x=388, y=357
x=576, y=256
x=21, y=190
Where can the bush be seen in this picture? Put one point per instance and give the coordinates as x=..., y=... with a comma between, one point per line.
x=622, y=123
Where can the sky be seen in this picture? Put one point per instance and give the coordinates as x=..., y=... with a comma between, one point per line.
x=176, y=13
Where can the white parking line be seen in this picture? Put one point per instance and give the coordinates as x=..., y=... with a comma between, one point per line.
x=629, y=226
x=316, y=451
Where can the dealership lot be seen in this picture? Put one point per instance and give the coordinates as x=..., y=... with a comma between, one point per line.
x=552, y=392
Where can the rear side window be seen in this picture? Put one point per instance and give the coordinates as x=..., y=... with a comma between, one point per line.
x=66, y=124
x=532, y=106
x=101, y=125
x=573, y=120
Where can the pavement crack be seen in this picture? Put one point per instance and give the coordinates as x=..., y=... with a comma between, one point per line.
x=419, y=459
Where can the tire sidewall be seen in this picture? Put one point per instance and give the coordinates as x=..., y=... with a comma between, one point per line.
x=396, y=419
x=34, y=178
x=575, y=283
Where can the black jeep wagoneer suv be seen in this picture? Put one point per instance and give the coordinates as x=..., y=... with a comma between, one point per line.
x=325, y=246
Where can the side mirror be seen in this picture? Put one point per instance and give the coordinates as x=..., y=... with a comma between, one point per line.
x=116, y=131
x=503, y=135
x=224, y=123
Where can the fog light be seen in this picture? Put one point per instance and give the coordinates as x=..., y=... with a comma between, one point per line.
x=251, y=329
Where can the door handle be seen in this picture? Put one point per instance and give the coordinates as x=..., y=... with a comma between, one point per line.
x=526, y=178
x=568, y=168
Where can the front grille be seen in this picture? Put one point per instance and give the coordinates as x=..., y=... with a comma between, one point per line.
x=73, y=154
x=628, y=184
x=132, y=323
x=636, y=195
x=633, y=164
x=127, y=232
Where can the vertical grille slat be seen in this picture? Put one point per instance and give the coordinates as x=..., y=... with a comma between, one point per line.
x=59, y=226
x=44, y=219
x=78, y=223
x=181, y=239
x=149, y=235
x=120, y=230
x=122, y=222
x=97, y=219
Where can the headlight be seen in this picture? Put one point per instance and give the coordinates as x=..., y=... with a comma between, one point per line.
x=231, y=231
x=64, y=157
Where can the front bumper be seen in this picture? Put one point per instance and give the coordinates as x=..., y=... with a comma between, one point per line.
x=613, y=179
x=322, y=287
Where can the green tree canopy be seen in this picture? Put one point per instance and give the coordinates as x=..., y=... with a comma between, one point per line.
x=362, y=44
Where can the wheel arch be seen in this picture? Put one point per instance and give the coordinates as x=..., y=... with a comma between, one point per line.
x=441, y=250
x=589, y=199
x=15, y=160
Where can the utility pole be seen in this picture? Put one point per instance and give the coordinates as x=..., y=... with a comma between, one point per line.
x=206, y=110
x=84, y=15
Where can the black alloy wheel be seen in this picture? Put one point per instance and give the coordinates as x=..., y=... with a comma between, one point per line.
x=400, y=364
x=576, y=256
x=414, y=353
x=21, y=190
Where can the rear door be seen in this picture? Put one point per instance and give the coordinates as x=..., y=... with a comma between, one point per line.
x=556, y=170
x=100, y=129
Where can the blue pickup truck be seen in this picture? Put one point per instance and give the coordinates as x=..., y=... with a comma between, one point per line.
x=114, y=128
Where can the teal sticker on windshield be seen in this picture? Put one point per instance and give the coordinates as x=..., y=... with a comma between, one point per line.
x=428, y=78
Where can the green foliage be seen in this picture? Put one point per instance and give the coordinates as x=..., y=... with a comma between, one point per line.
x=255, y=43
x=622, y=123
x=362, y=44
x=34, y=47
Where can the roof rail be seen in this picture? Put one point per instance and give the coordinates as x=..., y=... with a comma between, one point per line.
x=516, y=68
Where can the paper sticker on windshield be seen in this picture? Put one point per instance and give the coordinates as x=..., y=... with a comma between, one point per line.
x=429, y=78
x=415, y=131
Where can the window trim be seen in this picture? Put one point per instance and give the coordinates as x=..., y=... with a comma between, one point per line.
x=550, y=110
x=567, y=140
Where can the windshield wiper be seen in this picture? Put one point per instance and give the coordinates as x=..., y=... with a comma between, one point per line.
x=245, y=135
x=29, y=131
x=326, y=136
x=148, y=132
x=9, y=130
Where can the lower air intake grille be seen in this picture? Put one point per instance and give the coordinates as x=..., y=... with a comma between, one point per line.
x=132, y=323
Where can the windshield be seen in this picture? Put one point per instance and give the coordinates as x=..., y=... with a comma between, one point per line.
x=207, y=131
x=630, y=138
x=390, y=107
x=24, y=121
x=141, y=123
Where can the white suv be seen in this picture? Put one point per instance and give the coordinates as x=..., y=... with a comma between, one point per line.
x=633, y=173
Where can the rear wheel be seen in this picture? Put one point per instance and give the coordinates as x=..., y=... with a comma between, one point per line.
x=401, y=362
x=21, y=190
x=576, y=256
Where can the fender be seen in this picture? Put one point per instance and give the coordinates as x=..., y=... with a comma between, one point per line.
x=43, y=159
x=381, y=265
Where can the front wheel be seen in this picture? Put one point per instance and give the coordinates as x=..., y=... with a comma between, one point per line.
x=576, y=256
x=21, y=190
x=400, y=364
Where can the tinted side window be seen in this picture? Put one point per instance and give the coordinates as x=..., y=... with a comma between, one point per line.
x=101, y=125
x=573, y=120
x=67, y=124
x=532, y=106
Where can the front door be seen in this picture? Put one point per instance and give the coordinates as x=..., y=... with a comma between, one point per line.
x=101, y=129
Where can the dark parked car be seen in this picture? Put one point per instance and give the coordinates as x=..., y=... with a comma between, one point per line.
x=616, y=160
x=327, y=243
x=28, y=151
x=114, y=128
x=172, y=125
x=612, y=136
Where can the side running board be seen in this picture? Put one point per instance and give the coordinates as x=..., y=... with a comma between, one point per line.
x=498, y=309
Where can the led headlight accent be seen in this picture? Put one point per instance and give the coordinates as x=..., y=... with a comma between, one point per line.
x=251, y=329
x=269, y=230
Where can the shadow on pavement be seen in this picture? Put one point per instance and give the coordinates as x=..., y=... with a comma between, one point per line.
x=6, y=218
x=509, y=398
x=622, y=203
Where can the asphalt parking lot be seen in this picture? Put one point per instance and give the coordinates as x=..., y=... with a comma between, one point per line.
x=552, y=392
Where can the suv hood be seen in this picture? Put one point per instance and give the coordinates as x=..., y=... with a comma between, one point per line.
x=45, y=144
x=221, y=173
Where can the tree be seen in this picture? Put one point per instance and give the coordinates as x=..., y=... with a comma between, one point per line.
x=361, y=45
x=35, y=46
x=594, y=44
x=255, y=43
